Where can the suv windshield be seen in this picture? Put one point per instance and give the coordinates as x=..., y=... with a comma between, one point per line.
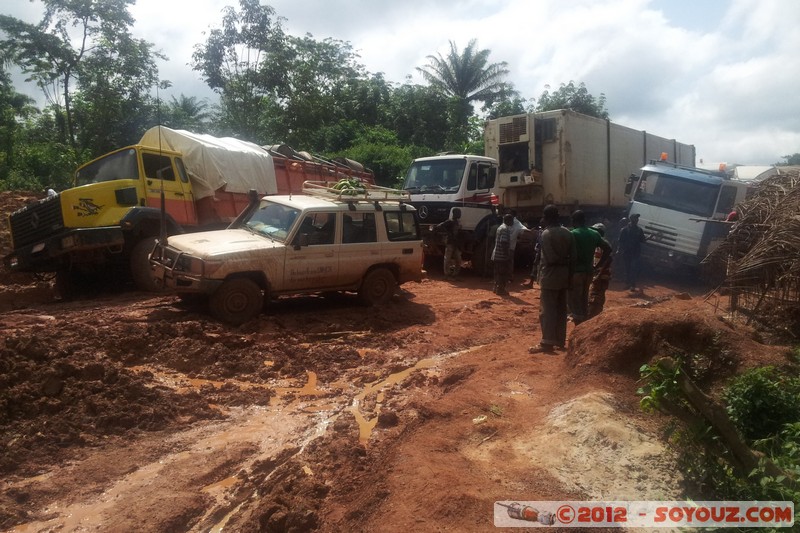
x=435, y=176
x=273, y=220
x=117, y=166
x=680, y=194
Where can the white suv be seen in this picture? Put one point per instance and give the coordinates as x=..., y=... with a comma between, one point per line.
x=327, y=240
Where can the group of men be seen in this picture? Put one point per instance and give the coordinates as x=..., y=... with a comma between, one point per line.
x=574, y=272
x=572, y=266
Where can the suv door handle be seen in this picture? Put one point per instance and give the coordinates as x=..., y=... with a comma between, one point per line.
x=408, y=251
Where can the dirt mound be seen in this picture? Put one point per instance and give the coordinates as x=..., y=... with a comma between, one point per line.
x=51, y=400
x=620, y=340
x=10, y=201
x=593, y=447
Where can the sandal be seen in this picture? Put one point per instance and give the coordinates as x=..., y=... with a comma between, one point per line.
x=541, y=348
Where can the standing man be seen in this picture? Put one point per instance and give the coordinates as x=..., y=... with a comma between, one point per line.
x=601, y=279
x=630, y=246
x=586, y=241
x=516, y=229
x=452, y=250
x=557, y=262
x=502, y=255
x=537, y=255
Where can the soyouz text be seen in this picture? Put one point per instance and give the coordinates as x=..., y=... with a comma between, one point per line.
x=643, y=514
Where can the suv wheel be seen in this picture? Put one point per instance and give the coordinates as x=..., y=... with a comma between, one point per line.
x=236, y=301
x=378, y=287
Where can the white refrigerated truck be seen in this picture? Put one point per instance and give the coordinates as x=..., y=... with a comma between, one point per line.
x=532, y=160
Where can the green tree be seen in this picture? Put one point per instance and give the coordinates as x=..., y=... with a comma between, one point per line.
x=14, y=107
x=508, y=107
x=576, y=98
x=791, y=160
x=466, y=77
x=187, y=113
x=41, y=159
x=115, y=89
x=378, y=149
x=326, y=83
x=55, y=51
x=418, y=115
x=245, y=61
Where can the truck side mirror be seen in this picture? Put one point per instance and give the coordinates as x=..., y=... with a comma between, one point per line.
x=629, y=184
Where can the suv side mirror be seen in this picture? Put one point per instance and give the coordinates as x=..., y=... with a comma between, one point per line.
x=301, y=241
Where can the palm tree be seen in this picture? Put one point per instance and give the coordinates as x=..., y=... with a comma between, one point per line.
x=187, y=112
x=467, y=77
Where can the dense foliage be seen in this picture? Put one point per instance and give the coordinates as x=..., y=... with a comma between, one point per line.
x=764, y=406
x=102, y=91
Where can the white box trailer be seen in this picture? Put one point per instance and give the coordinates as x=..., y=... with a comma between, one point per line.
x=572, y=160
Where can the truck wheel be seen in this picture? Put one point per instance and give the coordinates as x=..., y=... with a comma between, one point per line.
x=378, y=287
x=141, y=271
x=236, y=301
x=67, y=285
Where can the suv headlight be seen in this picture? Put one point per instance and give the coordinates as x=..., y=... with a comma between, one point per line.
x=211, y=266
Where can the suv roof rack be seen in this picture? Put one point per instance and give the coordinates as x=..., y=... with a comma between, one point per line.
x=364, y=192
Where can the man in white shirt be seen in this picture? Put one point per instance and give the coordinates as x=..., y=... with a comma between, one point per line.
x=516, y=229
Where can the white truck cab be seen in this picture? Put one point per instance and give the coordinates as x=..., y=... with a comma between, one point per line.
x=324, y=240
x=682, y=211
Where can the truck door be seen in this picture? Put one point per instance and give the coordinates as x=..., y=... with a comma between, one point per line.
x=478, y=198
x=312, y=259
x=159, y=173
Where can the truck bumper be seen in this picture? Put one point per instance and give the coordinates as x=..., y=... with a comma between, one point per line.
x=57, y=252
x=665, y=257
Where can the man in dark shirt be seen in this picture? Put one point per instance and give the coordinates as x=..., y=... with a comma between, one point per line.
x=557, y=263
x=452, y=250
x=630, y=247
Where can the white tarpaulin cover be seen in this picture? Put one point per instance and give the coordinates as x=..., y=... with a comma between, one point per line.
x=215, y=163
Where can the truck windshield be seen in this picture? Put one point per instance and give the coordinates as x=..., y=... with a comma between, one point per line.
x=272, y=220
x=679, y=194
x=117, y=166
x=435, y=176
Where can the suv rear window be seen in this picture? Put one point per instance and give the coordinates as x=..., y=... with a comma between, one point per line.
x=401, y=226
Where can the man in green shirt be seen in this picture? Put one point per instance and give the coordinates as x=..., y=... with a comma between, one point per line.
x=586, y=241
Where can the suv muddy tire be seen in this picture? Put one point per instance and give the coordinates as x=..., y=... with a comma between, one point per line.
x=141, y=271
x=378, y=287
x=236, y=301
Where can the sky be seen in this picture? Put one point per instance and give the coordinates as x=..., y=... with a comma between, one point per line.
x=723, y=75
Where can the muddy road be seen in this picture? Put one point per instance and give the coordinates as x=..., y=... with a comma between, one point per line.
x=132, y=412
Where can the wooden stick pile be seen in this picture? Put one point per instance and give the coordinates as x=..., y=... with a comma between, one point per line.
x=762, y=250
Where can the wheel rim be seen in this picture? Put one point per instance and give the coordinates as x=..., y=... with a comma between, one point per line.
x=378, y=289
x=236, y=302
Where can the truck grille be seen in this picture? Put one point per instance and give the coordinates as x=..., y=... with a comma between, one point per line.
x=36, y=222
